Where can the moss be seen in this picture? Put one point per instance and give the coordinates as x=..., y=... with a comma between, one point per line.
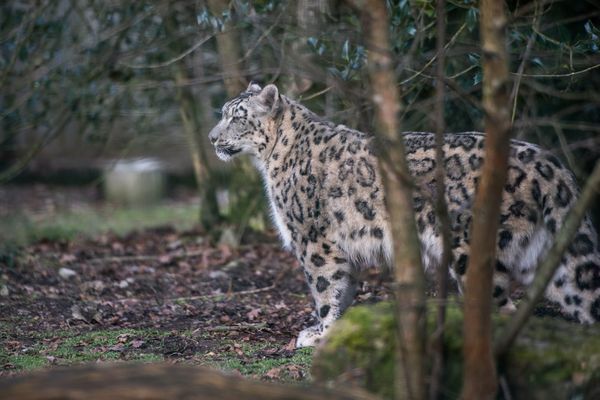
x=551, y=359
x=362, y=339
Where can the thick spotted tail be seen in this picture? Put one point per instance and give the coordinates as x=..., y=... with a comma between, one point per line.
x=576, y=284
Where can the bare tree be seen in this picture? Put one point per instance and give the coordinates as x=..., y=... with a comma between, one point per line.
x=480, y=371
x=409, y=277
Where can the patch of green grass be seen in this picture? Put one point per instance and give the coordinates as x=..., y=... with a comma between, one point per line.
x=258, y=366
x=148, y=357
x=24, y=229
x=84, y=347
x=28, y=361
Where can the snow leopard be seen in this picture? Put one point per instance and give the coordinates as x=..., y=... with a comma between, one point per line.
x=327, y=203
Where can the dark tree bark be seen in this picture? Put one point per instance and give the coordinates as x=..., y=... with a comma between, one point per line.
x=154, y=382
x=480, y=380
x=408, y=270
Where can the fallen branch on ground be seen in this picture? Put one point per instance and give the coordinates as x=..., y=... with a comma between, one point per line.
x=155, y=381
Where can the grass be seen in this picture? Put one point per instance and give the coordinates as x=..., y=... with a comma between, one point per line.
x=253, y=364
x=21, y=229
x=66, y=348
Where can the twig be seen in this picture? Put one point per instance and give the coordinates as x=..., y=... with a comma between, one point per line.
x=575, y=125
x=203, y=297
x=230, y=294
x=221, y=328
x=441, y=208
x=145, y=257
x=567, y=75
x=546, y=270
x=170, y=61
x=452, y=40
x=151, y=257
x=515, y=93
x=319, y=93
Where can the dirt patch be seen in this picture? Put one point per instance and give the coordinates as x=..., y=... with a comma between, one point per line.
x=156, y=294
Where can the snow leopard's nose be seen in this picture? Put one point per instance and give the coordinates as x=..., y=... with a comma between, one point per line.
x=213, y=135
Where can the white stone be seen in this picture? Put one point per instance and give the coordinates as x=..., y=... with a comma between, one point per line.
x=66, y=273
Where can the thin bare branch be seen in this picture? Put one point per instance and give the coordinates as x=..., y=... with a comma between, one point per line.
x=530, y=42
x=450, y=43
x=171, y=61
x=441, y=208
x=566, y=75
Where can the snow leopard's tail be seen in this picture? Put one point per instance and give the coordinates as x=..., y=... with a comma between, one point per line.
x=576, y=284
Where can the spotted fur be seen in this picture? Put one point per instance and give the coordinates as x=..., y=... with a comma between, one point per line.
x=327, y=202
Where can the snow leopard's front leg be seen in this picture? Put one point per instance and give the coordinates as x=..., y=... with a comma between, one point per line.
x=332, y=284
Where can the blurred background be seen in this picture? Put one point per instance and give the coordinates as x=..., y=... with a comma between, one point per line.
x=105, y=105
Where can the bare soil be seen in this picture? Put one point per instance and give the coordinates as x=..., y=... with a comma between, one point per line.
x=154, y=294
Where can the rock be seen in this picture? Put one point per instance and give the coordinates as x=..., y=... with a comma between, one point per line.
x=135, y=182
x=123, y=284
x=66, y=273
x=95, y=285
x=4, y=291
x=217, y=275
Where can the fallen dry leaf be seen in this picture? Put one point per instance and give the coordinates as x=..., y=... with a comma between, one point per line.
x=253, y=314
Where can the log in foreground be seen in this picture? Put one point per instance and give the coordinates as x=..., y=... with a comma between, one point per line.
x=551, y=359
x=154, y=381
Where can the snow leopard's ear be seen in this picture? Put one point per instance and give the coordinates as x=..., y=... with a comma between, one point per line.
x=254, y=87
x=268, y=98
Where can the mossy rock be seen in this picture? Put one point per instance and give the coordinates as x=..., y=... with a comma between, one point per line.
x=552, y=358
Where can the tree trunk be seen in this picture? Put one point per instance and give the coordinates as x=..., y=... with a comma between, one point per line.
x=209, y=214
x=310, y=17
x=409, y=276
x=154, y=381
x=229, y=52
x=480, y=370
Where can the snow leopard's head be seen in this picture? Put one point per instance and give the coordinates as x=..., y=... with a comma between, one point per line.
x=246, y=122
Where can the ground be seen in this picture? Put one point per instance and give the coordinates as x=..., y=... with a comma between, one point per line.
x=84, y=282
